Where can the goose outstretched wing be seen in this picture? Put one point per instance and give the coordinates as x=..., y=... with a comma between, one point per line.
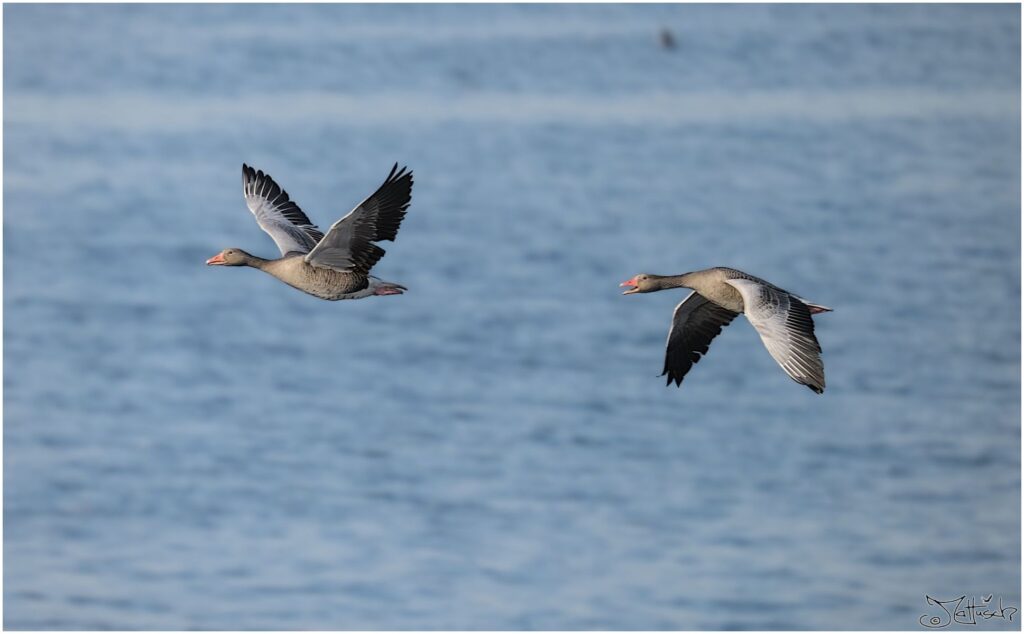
x=695, y=322
x=787, y=330
x=349, y=244
x=277, y=214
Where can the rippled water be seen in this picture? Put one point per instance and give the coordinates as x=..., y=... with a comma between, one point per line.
x=189, y=447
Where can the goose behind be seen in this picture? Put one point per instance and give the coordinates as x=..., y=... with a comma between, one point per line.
x=783, y=320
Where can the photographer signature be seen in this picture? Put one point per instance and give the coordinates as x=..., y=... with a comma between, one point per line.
x=956, y=612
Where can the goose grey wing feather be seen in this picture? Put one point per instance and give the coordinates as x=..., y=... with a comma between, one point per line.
x=277, y=214
x=787, y=331
x=349, y=244
x=695, y=322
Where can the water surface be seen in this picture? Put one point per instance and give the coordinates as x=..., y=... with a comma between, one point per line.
x=189, y=447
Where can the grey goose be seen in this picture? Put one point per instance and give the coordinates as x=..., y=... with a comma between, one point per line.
x=331, y=266
x=720, y=294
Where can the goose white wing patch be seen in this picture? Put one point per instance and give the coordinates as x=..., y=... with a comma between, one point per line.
x=786, y=329
x=277, y=214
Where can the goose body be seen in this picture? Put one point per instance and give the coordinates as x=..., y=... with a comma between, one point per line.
x=331, y=266
x=719, y=295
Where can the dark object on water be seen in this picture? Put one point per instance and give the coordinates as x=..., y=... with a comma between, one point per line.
x=782, y=319
x=332, y=266
x=667, y=40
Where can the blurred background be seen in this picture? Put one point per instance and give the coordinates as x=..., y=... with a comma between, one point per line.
x=189, y=447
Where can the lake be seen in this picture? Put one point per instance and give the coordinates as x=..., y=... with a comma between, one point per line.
x=188, y=447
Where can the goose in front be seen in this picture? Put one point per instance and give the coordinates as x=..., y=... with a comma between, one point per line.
x=720, y=294
x=331, y=266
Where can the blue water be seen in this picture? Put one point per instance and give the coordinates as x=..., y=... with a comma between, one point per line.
x=193, y=447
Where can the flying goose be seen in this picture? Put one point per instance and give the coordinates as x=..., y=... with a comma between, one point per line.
x=720, y=294
x=332, y=266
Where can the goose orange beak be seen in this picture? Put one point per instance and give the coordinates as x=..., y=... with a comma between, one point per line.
x=631, y=283
x=217, y=259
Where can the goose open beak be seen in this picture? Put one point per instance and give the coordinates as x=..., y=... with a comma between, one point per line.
x=217, y=259
x=631, y=283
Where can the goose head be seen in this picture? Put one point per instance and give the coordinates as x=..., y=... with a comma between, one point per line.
x=229, y=257
x=642, y=283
